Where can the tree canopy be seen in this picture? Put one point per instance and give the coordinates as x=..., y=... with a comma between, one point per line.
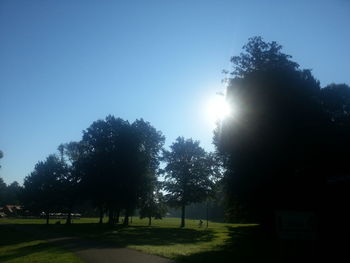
x=259, y=55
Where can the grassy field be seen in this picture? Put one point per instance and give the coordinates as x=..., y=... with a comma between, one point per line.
x=219, y=242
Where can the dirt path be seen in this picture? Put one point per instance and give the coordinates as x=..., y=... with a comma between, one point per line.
x=92, y=252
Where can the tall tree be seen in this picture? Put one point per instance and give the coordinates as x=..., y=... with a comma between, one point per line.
x=101, y=142
x=273, y=140
x=188, y=173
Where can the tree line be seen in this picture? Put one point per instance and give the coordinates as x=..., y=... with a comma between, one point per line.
x=116, y=167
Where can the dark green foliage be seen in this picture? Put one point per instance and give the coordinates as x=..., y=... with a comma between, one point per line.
x=13, y=192
x=44, y=187
x=9, y=194
x=188, y=174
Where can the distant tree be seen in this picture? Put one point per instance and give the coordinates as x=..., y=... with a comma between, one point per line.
x=3, y=188
x=12, y=193
x=43, y=188
x=153, y=205
x=188, y=173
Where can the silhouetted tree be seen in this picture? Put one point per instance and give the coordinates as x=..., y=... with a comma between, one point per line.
x=188, y=173
x=150, y=143
x=102, y=178
x=3, y=187
x=43, y=188
x=12, y=193
x=272, y=142
x=122, y=161
x=259, y=56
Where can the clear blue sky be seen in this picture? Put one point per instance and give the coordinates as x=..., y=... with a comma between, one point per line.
x=65, y=64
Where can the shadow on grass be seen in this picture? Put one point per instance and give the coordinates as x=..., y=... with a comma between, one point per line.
x=157, y=236
x=252, y=244
x=119, y=236
x=18, y=241
x=24, y=251
x=105, y=236
x=11, y=235
x=240, y=247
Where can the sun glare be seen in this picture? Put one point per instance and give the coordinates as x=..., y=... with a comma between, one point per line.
x=218, y=108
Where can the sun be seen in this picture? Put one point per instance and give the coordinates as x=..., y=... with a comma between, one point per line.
x=218, y=109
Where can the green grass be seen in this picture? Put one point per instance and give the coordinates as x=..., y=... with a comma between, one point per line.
x=163, y=238
x=17, y=246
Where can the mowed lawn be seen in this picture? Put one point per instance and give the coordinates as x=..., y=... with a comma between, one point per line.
x=219, y=242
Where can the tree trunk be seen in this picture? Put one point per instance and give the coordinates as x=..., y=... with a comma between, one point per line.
x=207, y=215
x=47, y=218
x=69, y=216
x=183, y=216
x=111, y=216
x=117, y=216
x=101, y=215
x=126, y=218
x=149, y=220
